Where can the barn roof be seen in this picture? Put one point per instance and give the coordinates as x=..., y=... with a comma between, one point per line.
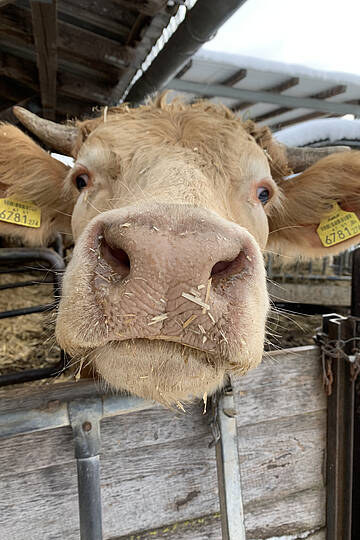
x=271, y=93
x=61, y=58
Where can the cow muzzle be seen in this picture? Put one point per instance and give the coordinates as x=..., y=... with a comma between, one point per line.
x=166, y=273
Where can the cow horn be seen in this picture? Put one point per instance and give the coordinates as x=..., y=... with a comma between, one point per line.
x=57, y=136
x=301, y=158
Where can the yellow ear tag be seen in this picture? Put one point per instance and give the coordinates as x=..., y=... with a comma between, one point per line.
x=23, y=213
x=338, y=226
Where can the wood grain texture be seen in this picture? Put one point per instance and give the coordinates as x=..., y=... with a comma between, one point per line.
x=204, y=528
x=281, y=420
x=44, y=20
x=158, y=474
x=156, y=470
x=287, y=383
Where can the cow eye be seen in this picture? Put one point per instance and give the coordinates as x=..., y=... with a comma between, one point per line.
x=81, y=181
x=263, y=194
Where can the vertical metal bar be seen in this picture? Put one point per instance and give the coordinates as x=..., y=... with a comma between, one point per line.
x=340, y=440
x=228, y=469
x=85, y=416
x=355, y=311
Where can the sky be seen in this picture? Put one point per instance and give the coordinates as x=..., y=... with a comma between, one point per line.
x=323, y=34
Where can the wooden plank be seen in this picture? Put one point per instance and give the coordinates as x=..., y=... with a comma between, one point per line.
x=150, y=7
x=330, y=92
x=159, y=475
x=15, y=68
x=287, y=383
x=25, y=397
x=203, y=528
x=69, y=84
x=45, y=35
x=293, y=515
x=101, y=18
x=281, y=418
x=174, y=460
x=76, y=42
x=277, y=89
x=282, y=457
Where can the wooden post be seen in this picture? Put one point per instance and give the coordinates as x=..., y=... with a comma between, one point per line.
x=45, y=36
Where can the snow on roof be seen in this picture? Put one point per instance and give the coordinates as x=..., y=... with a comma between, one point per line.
x=272, y=66
x=212, y=67
x=327, y=129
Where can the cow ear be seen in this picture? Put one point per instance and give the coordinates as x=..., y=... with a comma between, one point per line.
x=326, y=194
x=29, y=174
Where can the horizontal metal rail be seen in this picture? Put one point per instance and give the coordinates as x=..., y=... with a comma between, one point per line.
x=26, y=311
x=220, y=90
x=19, y=422
x=56, y=267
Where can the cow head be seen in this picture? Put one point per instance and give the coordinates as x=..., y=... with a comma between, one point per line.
x=170, y=207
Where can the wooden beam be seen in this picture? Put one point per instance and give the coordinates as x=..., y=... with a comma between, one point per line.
x=114, y=24
x=4, y=3
x=184, y=69
x=298, y=119
x=277, y=89
x=15, y=68
x=235, y=78
x=74, y=43
x=45, y=36
x=310, y=116
x=150, y=7
x=330, y=92
x=13, y=91
x=238, y=76
x=75, y=86
x=68, y=83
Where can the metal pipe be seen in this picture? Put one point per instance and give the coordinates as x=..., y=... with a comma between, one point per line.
x=199, y=26
x=85, y=416
x=27, y=375
x=221, y=90
x=228, y=469
x=88, y=470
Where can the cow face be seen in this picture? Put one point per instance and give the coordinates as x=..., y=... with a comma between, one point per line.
x=170, y=209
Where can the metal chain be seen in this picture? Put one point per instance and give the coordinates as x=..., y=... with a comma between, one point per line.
x=334, y=349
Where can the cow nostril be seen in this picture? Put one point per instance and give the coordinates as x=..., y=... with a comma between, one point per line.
x=227, y=268
x=219, y=267
x=117, y=258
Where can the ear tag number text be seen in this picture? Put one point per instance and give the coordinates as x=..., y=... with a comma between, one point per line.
x=23, y=213
x=338, y=226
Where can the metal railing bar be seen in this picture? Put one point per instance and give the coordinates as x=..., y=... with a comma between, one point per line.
x=19, y=422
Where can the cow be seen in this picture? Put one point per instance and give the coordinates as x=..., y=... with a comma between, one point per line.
x=170, y=207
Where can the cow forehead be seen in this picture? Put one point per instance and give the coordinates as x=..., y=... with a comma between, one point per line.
x=212, y=139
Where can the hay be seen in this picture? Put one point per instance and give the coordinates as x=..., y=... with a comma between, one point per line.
x=26, y=342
